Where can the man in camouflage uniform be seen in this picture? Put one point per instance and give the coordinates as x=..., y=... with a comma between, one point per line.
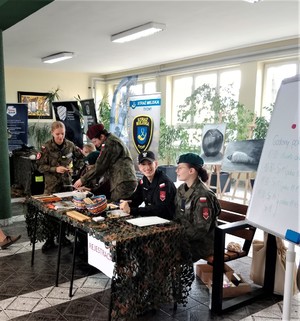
x=197, y=207
x=114, y=161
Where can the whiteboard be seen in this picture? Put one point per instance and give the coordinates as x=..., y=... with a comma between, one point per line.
x=274, y=205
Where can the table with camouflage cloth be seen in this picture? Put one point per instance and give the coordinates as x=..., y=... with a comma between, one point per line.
x=151, y=264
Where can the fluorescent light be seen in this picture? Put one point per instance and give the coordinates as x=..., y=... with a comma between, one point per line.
x=144, y=30
x=57, y=57
x=253, y=1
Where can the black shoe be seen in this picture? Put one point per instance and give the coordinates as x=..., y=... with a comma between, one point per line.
x=49, y=244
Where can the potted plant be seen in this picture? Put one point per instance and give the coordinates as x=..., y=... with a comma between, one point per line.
x=104, y=111
x=173, y=141
x=206, y=105
x=262, y=124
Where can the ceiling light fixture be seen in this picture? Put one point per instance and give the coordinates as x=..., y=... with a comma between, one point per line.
x=57, y=57
x=253, y=1
x=144, y=30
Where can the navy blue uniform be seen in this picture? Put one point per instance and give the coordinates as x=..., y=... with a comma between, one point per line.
x=159, y=196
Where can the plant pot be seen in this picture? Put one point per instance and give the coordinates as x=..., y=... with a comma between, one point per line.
x=223, y=179
x=170, y=171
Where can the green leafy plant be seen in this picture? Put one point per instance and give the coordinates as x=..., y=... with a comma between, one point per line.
x=39, y=133
x=173, y=141
x=262, y=124
x=207, y=106
x=104, y=111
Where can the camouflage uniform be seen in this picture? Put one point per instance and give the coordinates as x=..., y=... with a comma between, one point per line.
x=197, y=209
x=52, y=156
x=116, y=163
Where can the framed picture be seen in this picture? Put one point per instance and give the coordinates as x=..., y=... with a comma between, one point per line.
x=38, y=104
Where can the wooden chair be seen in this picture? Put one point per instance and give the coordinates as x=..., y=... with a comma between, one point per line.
x=232, y=221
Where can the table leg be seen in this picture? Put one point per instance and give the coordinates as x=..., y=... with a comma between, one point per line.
x=59, y=252
x=73, y=263
x=34, y=238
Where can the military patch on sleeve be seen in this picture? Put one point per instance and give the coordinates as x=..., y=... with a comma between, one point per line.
x=162, y=195
x=205, y=213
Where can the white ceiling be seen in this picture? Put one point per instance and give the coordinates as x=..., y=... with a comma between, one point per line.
x=193, y=28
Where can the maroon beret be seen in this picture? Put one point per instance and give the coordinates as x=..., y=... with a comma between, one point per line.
x=95, y=131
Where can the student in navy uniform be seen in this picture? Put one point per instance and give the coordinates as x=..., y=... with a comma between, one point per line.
x=155, y=189
x=197, y=207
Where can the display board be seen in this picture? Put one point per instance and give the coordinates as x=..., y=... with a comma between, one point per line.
x=274, y=206
x=17, y=125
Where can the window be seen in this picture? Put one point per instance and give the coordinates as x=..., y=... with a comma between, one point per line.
x=274, y=74
x=183, y=87
x=144, y=87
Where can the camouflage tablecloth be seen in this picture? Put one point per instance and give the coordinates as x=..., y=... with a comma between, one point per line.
x=152, y=266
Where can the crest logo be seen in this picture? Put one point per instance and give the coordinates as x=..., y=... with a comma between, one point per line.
x=142, y=132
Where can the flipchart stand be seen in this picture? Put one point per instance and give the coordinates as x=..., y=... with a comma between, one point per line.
x=293, y=238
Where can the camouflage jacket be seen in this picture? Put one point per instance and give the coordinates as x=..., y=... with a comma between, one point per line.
x=52, y=156
x=115, y=162
x=197, y=209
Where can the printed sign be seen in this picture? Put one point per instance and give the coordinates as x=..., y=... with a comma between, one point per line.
x=17, y=125
x=99, y=256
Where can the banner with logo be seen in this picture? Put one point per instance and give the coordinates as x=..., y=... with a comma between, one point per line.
x=144, y=123
x=89, y=113
x=17, y=125
x=68, y=113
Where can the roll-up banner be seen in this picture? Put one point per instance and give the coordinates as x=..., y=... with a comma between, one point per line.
x=89, y=113
x=144, y=123
x=68, y=113
x=17, y=125
x=119, y=108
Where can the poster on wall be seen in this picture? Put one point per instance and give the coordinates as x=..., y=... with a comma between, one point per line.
x=89, y=113
x=17, y=125
x=144, y=123
x=68, y=113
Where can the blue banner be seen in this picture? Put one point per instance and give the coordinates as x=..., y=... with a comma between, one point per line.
x=17, y=125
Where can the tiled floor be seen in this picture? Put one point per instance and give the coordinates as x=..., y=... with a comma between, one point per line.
x=28, y=292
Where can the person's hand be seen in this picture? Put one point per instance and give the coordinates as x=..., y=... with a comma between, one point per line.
x=77, y=184
x=62, y=169
x=124, y=206
x=84, y=189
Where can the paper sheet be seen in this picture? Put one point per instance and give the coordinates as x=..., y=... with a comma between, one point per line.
x=147, y=221
x=64, y=194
